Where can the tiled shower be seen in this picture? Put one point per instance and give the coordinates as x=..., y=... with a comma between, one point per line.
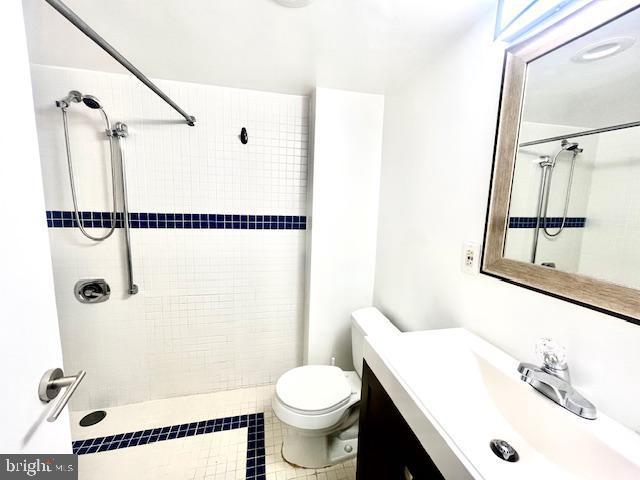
x=218, y=237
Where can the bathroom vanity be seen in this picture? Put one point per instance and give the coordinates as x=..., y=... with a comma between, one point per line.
x=433, y=402
x=387, y=447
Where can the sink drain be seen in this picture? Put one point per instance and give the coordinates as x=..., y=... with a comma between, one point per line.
x=504, y=451
x=93, y=418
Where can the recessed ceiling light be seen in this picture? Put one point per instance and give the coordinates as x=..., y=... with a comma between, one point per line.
x=603, y=49
x=294, y=3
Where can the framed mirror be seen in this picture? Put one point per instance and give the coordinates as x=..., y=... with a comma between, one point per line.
x=564, y=210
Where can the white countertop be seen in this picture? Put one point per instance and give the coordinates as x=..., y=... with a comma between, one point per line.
x=458, y=392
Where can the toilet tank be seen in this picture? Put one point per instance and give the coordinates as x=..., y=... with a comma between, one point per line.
x=365, y=322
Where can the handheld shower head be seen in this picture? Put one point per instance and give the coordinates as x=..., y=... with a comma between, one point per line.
x=91, y=102
x=75, y=96
x=566, y=146
x=571, y=147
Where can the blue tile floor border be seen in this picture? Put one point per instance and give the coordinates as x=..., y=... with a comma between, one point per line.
x=201, y=221
x=256, y=465
x=551, y=222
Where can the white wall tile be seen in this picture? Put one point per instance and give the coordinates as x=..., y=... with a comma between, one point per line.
x=609, y=245
x=217, y=309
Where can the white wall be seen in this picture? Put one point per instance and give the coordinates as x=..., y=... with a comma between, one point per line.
x=217, y=309
x=30, y=340
x=438, y=143
x=345, y=182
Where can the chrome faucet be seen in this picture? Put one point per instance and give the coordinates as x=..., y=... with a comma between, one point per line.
x=554, y=381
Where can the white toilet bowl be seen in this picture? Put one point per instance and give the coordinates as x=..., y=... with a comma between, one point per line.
x=319, y=403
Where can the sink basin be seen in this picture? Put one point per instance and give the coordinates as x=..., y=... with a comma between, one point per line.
x=455, y=389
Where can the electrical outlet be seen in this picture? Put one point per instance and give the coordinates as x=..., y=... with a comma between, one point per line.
x=471, y=258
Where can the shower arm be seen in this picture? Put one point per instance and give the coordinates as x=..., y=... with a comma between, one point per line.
x=102, y=43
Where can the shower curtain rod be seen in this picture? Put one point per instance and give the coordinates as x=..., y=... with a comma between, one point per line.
x=584, y=133
x=102, y=43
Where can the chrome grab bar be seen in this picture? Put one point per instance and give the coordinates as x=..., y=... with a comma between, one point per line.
x=121, y=131
x=52, y=382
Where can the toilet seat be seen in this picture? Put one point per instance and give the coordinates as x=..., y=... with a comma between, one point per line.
x=315, y=397
x=314, y=389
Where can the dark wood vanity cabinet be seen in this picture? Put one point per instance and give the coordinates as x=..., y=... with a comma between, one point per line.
x=387, y=447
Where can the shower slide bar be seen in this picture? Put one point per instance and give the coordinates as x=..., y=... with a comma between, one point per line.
x=584, y=133
x=120, y=131
x=102, y=43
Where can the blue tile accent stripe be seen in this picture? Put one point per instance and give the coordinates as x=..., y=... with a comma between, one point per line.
x=551, y=222
x=256, y=465
x=66, y=219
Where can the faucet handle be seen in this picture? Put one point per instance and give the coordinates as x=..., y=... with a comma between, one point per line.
x=552, y=354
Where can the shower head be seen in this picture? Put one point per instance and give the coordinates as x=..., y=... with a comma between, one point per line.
x=571, y=147
x=566, y=146
x=91, y=102
x=75, y=96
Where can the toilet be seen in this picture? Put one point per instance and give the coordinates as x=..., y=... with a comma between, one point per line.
x=319, y=403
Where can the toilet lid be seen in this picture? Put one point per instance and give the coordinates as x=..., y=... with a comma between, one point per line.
x=313, y=388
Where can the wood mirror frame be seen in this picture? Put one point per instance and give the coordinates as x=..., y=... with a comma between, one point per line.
x=597, y=294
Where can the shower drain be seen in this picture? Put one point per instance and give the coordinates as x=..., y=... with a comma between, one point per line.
x=93, y=418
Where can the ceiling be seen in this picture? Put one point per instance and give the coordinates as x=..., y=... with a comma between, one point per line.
x=364, y=45
x=594, y=94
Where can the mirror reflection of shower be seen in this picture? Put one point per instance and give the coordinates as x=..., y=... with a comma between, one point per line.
x=119, y=132
x=547, y=165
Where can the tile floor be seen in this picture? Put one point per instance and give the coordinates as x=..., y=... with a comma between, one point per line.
x=213, y=456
